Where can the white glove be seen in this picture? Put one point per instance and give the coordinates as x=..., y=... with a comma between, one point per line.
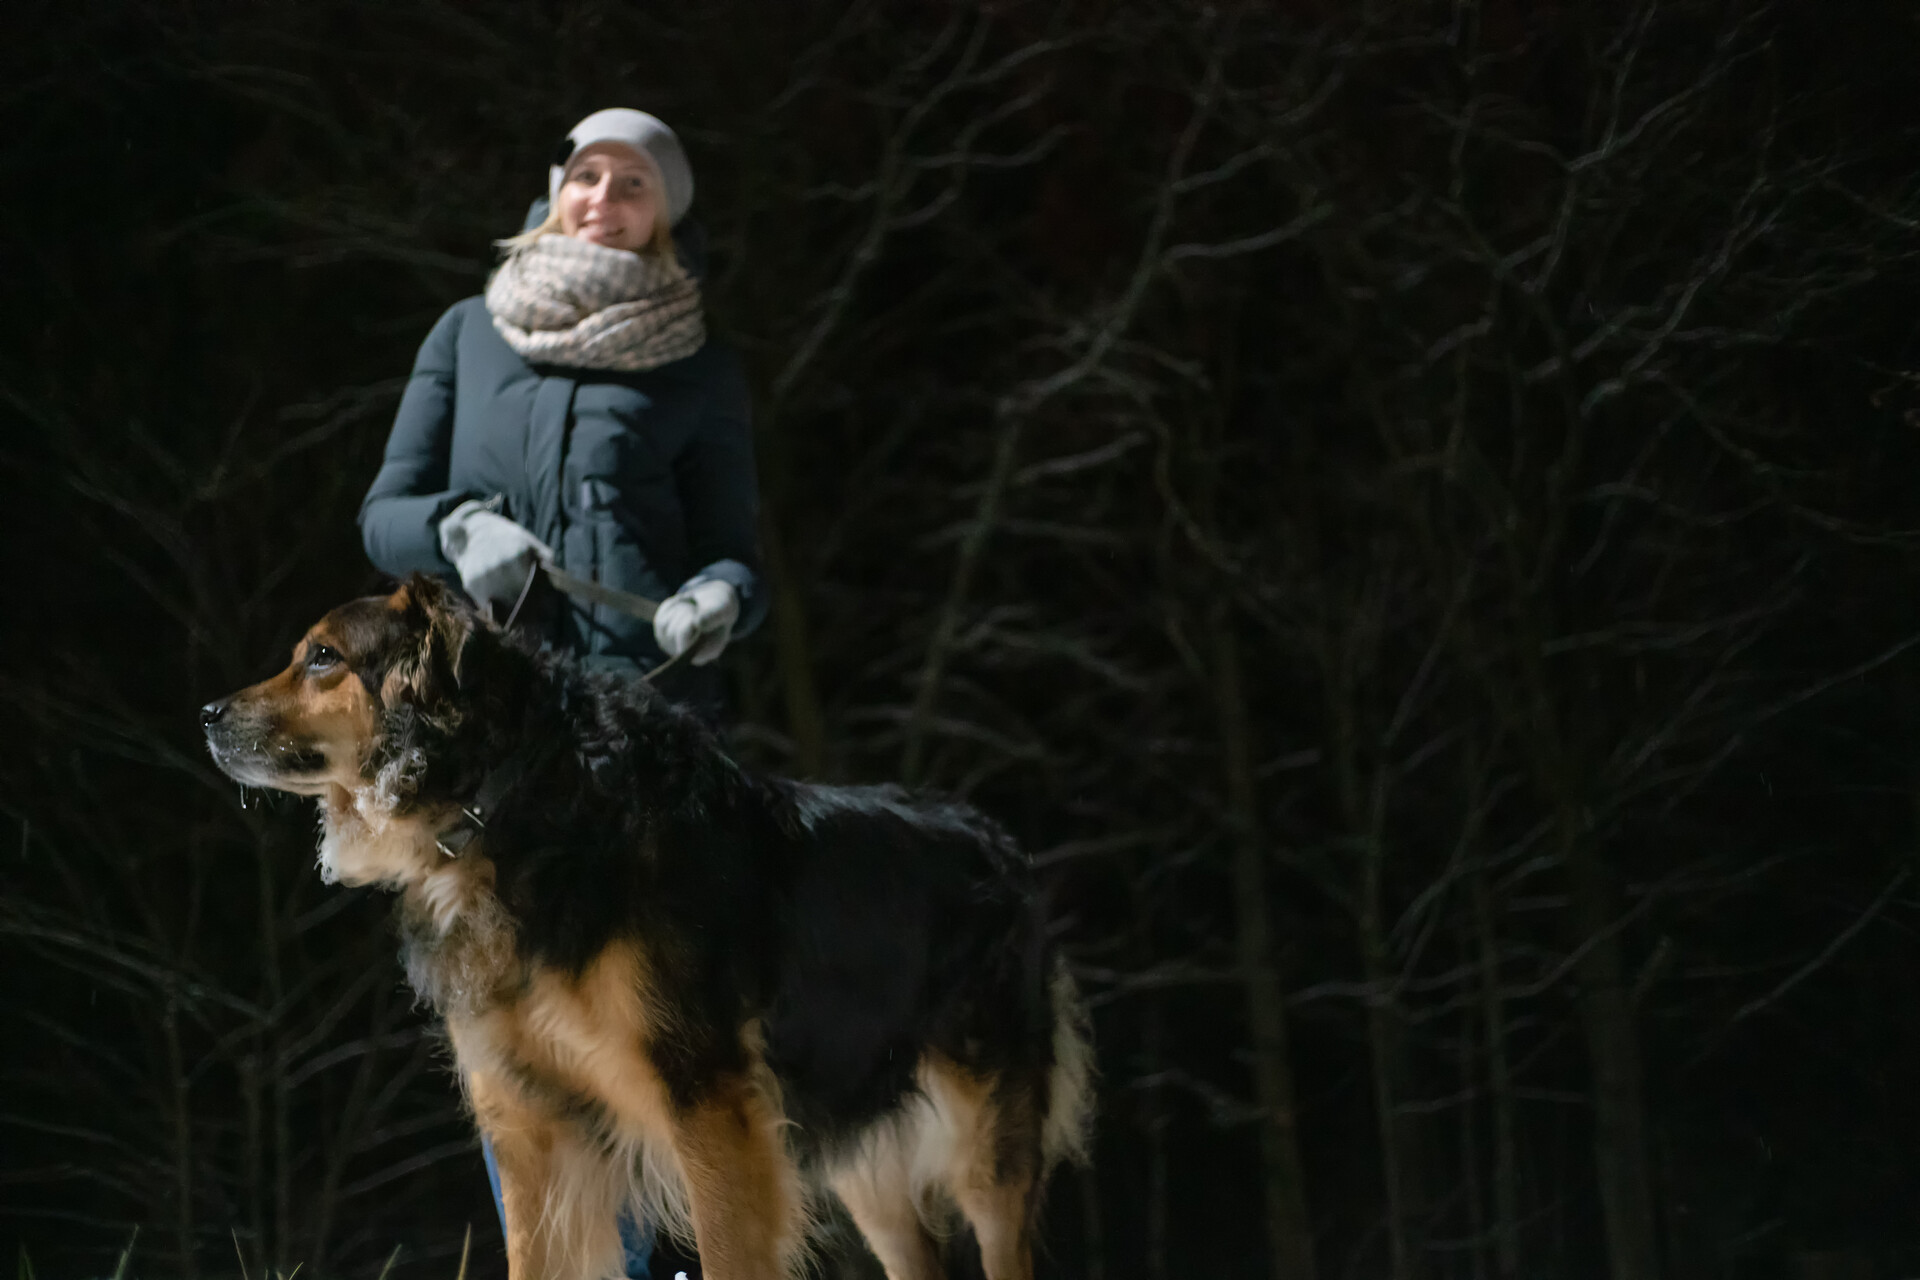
x=701, y=616
x=491, y=553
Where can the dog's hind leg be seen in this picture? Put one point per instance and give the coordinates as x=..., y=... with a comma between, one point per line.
x=559, y=1187
x=992, y=1169
x=878, y=1192
x=748, y=1214
x=1000, y=1215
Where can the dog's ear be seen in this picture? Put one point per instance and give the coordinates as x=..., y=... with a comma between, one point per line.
x=437, y=629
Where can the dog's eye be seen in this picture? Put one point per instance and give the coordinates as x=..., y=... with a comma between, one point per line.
x=321, y=658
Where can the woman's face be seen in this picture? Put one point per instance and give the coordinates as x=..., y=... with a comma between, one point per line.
x=611, y=197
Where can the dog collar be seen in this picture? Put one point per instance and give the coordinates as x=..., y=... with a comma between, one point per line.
x=494, y=788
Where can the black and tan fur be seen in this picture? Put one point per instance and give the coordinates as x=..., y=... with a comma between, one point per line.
x=671, y=982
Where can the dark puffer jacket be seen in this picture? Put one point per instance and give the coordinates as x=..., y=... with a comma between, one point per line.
x=640, y=481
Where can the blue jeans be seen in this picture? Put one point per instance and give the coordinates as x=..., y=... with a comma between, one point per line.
x=636, y=1237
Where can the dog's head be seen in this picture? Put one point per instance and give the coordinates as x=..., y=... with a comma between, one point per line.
x=323, y=722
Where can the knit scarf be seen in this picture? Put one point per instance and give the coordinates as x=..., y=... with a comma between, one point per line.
x=575, y=303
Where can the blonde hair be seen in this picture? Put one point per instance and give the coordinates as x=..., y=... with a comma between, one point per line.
x=659, y=245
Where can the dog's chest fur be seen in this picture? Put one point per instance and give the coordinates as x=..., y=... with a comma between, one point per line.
x=573, y=1041
x=457, y=941
x=463, y=954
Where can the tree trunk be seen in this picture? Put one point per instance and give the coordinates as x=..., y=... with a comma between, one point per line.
x=1619, y=1105
x=1289, y=1231
x=946, y=627
x=1362, y=810
x=1386, y=1035
x=805, y=725
x=1493, y=1017
x=1157, y=1120
x=1478, y=1237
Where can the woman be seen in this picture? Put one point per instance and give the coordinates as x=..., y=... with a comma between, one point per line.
x=577, y=417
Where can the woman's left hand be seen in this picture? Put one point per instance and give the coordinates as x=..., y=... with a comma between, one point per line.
x=701, y=617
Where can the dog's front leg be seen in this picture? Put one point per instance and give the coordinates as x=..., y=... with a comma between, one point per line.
x=743, y=1187
x=559, y=1190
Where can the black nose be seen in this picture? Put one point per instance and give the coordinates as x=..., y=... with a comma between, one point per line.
x=212, y=714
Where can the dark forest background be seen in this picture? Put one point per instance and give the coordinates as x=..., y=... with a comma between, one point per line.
x=1408, y=509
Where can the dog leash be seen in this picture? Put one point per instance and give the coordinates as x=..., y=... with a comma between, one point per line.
x=624, y=601
x=494, y=787
x=634, y=606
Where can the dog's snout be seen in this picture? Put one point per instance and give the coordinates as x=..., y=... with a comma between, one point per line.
x=213, y=713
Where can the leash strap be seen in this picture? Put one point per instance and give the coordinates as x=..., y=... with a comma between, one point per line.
x=625, y=601
x=495, y=786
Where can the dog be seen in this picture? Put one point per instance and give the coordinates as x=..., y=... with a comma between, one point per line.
x=674, y=985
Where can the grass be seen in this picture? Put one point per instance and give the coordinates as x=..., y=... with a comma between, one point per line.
x=23, y=1267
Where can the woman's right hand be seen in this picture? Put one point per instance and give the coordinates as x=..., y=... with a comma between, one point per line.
x=492, y=554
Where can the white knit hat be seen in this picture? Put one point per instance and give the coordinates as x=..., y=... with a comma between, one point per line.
x=644, y=133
